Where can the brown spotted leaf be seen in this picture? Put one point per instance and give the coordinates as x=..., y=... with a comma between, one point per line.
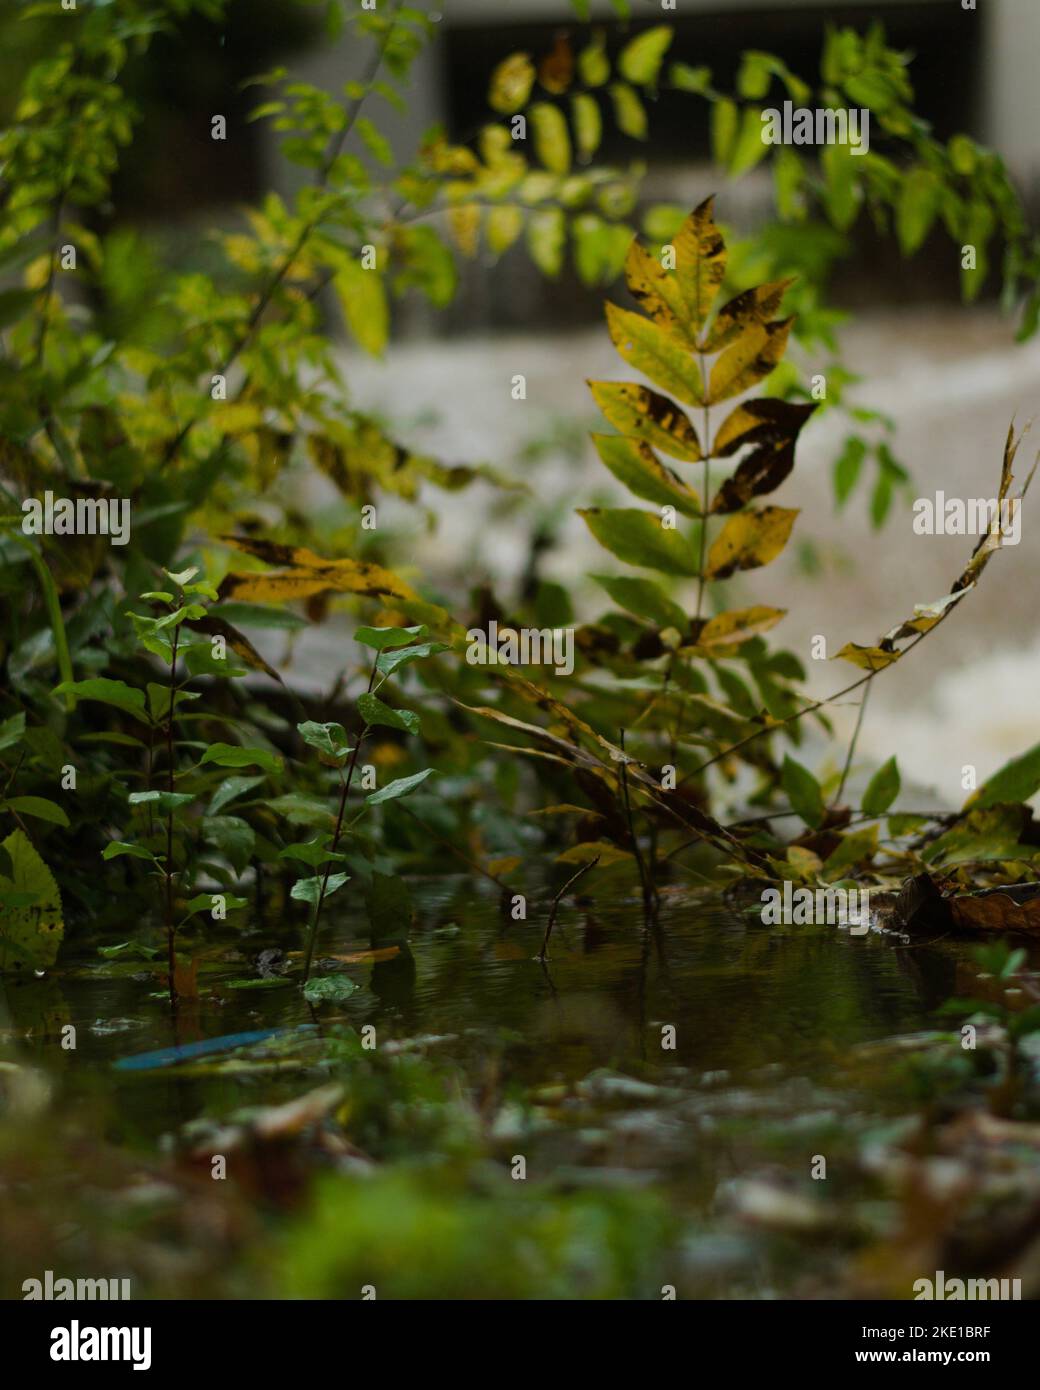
x=755, y=354
x=750, y=539
x=304, y=573
x=681, y=299
x=642, y=414
x=737, y=625
x=657, y=354
x=757, y=305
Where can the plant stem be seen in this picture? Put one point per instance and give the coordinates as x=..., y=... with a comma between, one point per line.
x=852, y=744
x=313, y=937
x=170, y=953
x=644, y=879
x=706, y=448
x=556, y=903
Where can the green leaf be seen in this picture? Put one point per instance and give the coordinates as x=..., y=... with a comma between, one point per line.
x=373, y=711
x=917, y=207
x=1015, y=782
x=229, y=789
x=164, y=801
x=546, y=239
x=389, y=662
x=107, y=692
x=803, y=791
x=328, y=989
x=231, y=755
x=393, y=790
x=848, y=467
x=329, y=739
x=311, y=852
x=686, y=79
x=629, y=111
x=115, y=849
x=31, y=922
x=232, y=836
x=362, y=297
x=644, y=598
x=37, y=806
x=12, y=730
x=883, y=789
x=638, y=538
x=593, y=63
x=258, y=615
x=383, y=637
x=748, y=148
x=308, y=890
x=588, y=124
x=552, y=140
x=13, y=304
x=427, y=265
x=640, y=61
x=203, y=902
x=131, y=950
x=636, y=465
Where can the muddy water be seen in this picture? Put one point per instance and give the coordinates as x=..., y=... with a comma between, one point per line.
x=741, y=998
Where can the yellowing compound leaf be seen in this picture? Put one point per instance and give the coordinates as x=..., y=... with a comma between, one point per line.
x=304, y=574
x=866, y=658
x=656, y=353
x=755, y=306
x=681, y=299
x=753, y=356
x=750, y=539
x=637, y=466
x=738, y=625
x=644, y=414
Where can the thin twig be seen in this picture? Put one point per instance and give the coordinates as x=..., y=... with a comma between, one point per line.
x=852, y=744
x=556, y=903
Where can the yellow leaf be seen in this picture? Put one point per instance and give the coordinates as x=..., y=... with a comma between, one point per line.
x=643, y=414
x=552, y=139
x=304, y=574
x=867, y=658
x=511, y=83
x=504, y=225
x=656, y=353
x=681, y=299
x=464, y=225
x=738, y=625
x=362, y=296
x=750, y=539
x=753, y=306
x=753, y=356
